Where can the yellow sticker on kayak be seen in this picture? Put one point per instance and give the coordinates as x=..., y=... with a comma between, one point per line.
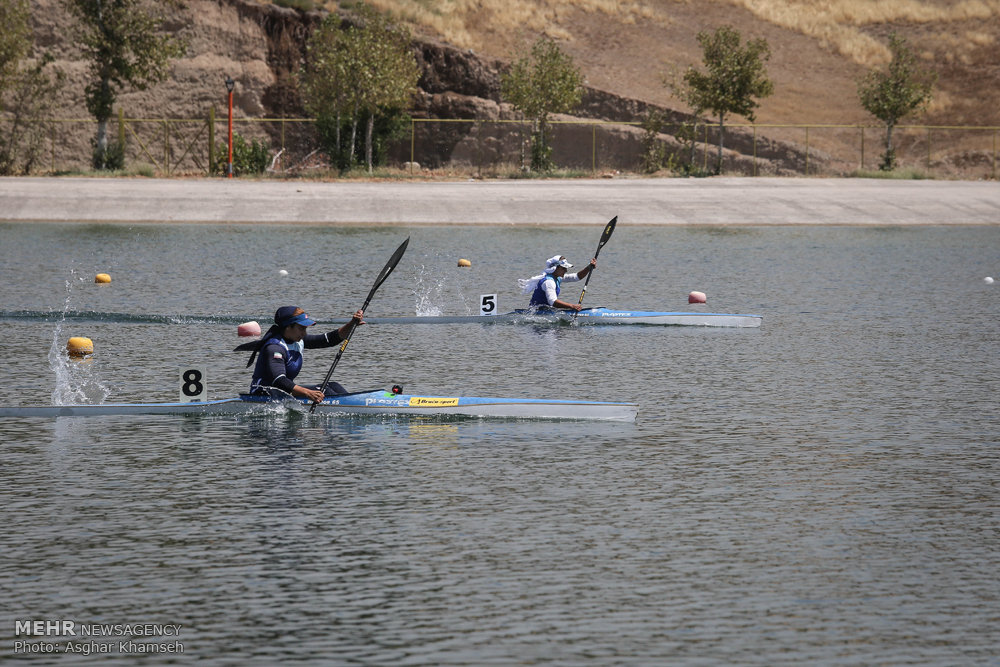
x=432, y=401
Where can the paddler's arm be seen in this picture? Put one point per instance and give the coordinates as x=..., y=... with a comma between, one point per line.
x=566, y=305
x=314, y=395
x=336, y=336
x=582, y=273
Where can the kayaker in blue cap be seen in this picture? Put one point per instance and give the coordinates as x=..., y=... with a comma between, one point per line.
x=280, y=350
x=544, y=288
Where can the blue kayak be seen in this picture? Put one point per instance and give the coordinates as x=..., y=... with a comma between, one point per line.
x=599, y=315
x=365, y=403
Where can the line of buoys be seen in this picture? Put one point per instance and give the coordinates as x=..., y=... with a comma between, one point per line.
x=102, y=278
x=250, y=328
x=464, y=262
x=697, y=297
x=79, y=347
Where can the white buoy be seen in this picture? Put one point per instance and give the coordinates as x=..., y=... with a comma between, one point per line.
x=250, y=328
x=697, y=297
x=282, y=273
x=988, y=280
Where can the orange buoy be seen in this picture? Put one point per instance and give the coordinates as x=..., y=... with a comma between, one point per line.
x=102, y=278
x=697, y=297
x=79, y=347
x=464, y=262
x=248, y=329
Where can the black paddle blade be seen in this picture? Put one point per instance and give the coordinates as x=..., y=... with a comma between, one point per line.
x=387, y=269
x=608, y=231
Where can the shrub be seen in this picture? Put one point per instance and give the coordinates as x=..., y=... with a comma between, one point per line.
x=248, y=158
x=111, y=159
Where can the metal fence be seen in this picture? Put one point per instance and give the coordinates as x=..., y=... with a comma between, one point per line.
x=172, y=146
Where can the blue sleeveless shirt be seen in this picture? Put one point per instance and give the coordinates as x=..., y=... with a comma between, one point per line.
x=538, y=297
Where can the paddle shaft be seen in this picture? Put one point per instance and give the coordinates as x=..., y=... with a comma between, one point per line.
x=608, y=230
x=383, y=274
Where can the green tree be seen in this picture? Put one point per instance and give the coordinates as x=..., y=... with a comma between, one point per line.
x=364, y=73
x=26, y=91
x=325, y=86
x=539, y=85
x=893, y=93
x=735, y=75
x=125, y=46
x=15, y=39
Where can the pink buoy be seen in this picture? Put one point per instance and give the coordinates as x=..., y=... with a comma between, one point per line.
x=697, y=297
x=248, y=329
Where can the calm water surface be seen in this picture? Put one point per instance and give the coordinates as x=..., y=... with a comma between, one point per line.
x=822, y=490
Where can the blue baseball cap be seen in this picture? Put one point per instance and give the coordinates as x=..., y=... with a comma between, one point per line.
x=292, y=315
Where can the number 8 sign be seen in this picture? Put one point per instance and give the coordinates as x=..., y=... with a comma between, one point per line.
x=193, y=385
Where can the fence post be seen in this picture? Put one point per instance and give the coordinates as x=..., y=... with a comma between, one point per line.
x=413, y=132
x=994, y=154
x=807, y=150
x=862, y=147
x=928, y=150
x=211, y=138
x=704, y=150
x=593, y=144
x=755, y=149
x=121, y=132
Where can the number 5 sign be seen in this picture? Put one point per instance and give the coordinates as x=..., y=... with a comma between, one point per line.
x=193, y=385
x=488, y=304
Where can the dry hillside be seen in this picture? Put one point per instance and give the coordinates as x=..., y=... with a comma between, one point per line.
x=624, y=47
x=819, y=49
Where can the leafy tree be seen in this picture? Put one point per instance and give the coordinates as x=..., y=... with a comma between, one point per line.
x=15, y=39
x=654, y=153
x=365, y=73
x=388, y=72
x=891, y=94
x=123, y=41
x=325, y=87
x=734, y=76
x=544, y=83
x=26, y=91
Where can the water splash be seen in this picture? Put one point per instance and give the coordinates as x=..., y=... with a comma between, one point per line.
x=78, y=381
x=429, y=293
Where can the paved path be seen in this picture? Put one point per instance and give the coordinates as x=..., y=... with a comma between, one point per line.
x=710, y=201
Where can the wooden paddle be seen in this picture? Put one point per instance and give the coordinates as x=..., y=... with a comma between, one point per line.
x=383, y=274
x=608, y=230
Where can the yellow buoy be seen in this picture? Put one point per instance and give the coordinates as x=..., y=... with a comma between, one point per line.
x=78, y=346
x=102, y=278
x=464, y=262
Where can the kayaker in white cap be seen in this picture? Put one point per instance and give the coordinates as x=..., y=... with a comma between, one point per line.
x=544, y=288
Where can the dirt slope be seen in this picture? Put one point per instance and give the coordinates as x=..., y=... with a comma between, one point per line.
x=621, y=50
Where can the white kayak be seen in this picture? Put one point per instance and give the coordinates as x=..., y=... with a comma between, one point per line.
x=365, y=403
x=586, y=316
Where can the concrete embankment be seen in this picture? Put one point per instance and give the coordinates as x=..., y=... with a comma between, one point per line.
x=711, y=201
